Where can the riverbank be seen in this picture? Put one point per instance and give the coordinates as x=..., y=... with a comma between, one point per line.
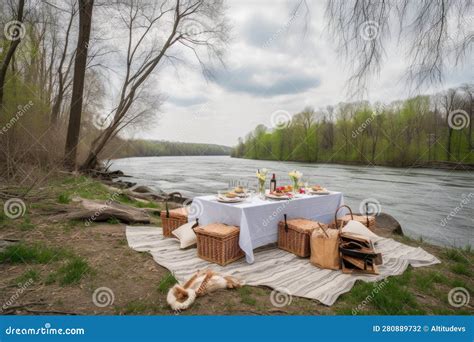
x=435, y=165
x=55, y=267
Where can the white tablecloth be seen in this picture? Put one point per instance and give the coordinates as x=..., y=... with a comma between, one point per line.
x=258, y=219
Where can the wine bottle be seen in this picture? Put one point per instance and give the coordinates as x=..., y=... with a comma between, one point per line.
x=273, y=184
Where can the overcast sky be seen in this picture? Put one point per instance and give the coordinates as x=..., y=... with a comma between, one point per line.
x=272, y=64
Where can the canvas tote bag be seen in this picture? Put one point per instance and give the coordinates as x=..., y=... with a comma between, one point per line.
x=325, y=248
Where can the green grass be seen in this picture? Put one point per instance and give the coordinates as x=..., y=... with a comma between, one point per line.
x=64, y=198
x=71, y=273
x=455, y=255
x=166, y=282
x=26, y=224
x=245, y=293
x=28, y=276
x=113, y=220
x=136, y=307
x=392, y=297
x=462, y=269
x=34, y=254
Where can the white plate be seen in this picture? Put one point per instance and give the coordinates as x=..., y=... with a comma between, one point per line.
x=230, y=200
x=319, y=192
x=285, y=197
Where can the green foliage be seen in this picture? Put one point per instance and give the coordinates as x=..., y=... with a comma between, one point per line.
x=462, y=269
x=148, y=148
x=30, y=275
x=245, y=293
x=404, y=133
x=166, y=282
x=70, y=273
x=26, y=223
x=113, y=220
x=455, y=255
x=31, y=254
x=64, y=198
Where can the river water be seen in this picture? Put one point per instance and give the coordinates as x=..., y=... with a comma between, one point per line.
x=436, y=205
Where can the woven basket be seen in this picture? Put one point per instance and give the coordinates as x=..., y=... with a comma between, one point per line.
x=339, y=223
x=294, y=235
x=172, y=219
x=368, y=221
x=218, y=243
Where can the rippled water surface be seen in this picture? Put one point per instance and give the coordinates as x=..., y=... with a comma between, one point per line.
x=434, y=204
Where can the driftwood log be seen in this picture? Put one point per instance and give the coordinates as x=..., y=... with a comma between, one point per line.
x=98, y=211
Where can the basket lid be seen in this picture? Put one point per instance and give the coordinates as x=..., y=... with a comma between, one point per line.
x=302, y=225
x=178, y=212
x=359, y=218
x=218, y=230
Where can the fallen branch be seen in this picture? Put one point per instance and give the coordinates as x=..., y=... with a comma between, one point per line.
x=102, y=211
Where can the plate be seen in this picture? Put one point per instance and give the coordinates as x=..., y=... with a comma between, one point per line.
x=230, y=200
x=319, y=192
x=284, y=197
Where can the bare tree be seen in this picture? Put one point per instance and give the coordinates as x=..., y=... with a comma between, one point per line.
x=362, y=30
x=191, y=24
x=72, y=139
x=62, y=71
x=15, y=33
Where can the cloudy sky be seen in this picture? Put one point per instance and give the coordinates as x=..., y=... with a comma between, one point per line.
x=272, y=64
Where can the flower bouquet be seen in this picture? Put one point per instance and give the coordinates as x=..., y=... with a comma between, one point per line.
x=261, y=177
x=295, y=177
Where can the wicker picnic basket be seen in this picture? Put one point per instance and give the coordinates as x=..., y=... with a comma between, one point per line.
x=366, y=220
x=339, y=223
x=172, y=219
x=294, y=235
x=218, y=243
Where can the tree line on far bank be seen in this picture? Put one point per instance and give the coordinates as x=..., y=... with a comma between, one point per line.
x=403, y=133
x=152, y=148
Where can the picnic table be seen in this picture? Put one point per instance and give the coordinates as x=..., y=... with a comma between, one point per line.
x=258, y=218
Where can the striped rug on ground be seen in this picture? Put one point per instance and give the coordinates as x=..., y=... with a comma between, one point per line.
x=276, y=268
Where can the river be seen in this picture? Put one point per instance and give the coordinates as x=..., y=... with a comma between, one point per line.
x=436, y=205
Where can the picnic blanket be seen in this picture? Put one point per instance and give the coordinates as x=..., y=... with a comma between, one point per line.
x=276, y=268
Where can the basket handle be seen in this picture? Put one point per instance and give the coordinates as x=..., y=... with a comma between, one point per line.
x=367, y=213
x=195, y=225
x=286, y=224
x=337, y=210
x=323, y=229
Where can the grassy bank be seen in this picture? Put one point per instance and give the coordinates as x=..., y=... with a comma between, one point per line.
x=57, y=268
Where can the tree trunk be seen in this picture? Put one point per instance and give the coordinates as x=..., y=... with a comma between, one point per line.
x=72, y=140
x=11, y=51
